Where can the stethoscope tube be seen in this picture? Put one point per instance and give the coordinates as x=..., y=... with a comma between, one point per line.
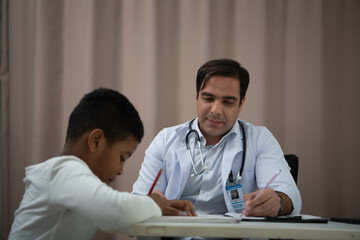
x=197, y=139
x=204, y=168
x=238, y=177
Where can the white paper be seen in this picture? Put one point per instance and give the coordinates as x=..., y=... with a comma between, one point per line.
x=198, y=219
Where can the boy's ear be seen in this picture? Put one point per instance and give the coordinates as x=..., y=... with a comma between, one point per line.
x=96, y=136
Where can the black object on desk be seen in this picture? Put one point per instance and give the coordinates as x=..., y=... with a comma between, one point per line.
x=288, y=219
x=346, y=220
x=296, y=219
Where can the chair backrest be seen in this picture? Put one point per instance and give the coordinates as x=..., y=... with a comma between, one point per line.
x=293, y=162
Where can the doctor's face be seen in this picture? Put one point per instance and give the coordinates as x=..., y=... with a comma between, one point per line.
x=218, y=107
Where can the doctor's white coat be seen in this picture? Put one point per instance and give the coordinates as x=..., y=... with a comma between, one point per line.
x=264, y=158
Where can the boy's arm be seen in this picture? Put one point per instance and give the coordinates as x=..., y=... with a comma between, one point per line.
x=173, y=207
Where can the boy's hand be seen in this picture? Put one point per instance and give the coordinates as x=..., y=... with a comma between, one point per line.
x=184, y=206
x=173, y=207
x=160, y=193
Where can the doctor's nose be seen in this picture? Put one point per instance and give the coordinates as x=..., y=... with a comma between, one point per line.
x=216, y=107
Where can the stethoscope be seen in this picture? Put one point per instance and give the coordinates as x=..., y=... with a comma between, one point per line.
x=204, y=168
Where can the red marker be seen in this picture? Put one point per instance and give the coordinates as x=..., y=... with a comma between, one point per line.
x=156, y=179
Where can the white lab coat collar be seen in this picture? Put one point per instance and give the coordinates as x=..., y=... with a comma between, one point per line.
x=233, y=147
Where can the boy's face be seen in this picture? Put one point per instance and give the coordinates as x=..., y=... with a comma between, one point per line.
x=110, y=158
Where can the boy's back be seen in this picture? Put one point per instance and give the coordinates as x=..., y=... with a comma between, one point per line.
x=64, y=200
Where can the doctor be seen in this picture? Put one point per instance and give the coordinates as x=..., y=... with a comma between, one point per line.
x=219, y=162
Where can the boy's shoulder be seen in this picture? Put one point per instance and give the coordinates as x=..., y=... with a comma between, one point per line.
x=54, y=163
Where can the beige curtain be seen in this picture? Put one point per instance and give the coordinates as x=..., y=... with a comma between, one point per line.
x=303, y=58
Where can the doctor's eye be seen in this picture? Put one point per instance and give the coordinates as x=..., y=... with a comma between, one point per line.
x=208, y=99
x=122, y=159
x=229, y=102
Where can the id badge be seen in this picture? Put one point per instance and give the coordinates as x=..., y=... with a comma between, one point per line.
x=236, y=194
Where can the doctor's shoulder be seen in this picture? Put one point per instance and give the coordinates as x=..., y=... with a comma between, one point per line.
x=259, y=136
x=173, y=134
x=256, y=132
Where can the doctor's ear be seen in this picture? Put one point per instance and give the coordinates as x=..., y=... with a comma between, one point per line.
x=242, y=102
x=96, y=137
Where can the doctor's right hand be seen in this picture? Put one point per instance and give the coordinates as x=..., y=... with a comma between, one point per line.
x=173, y=207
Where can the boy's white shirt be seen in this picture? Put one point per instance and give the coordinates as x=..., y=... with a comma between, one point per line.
x=63, y=199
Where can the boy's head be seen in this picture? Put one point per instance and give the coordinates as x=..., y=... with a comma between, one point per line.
x=109, y=111
x=104, y=130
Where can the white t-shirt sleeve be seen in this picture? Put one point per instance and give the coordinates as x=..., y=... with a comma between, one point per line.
x=73, y=186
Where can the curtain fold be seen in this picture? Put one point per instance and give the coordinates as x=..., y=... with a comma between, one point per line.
x=303, y=58
x=4, y=121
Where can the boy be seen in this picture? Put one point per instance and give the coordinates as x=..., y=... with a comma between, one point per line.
x=67, y=197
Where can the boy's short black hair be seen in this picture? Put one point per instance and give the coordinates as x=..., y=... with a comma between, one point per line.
x=222, y=67
x=109, y=111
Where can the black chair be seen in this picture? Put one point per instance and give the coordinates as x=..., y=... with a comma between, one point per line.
x=293, y=162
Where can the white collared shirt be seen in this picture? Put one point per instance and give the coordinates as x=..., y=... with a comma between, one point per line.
x=205, y=190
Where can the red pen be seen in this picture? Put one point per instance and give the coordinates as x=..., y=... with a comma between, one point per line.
x=156, y=179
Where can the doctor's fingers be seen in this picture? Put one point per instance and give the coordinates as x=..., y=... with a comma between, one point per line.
x=265, y=209
x=250, y=196
x=264, y=205
x=260, y=199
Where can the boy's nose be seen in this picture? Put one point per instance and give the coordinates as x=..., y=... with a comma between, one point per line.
x=121, y=170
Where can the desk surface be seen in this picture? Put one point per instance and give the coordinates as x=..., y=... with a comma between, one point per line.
x=166, y=228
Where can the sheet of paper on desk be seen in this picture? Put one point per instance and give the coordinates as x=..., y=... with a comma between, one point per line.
x=289, y=218
x=237, y=216
x=306, y=217
x=198, y=219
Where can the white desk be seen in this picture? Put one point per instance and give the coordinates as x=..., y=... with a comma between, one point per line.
x=331, y=230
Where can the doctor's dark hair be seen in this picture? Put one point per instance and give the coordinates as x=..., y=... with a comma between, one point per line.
x=109, y=111
x=224, y=68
